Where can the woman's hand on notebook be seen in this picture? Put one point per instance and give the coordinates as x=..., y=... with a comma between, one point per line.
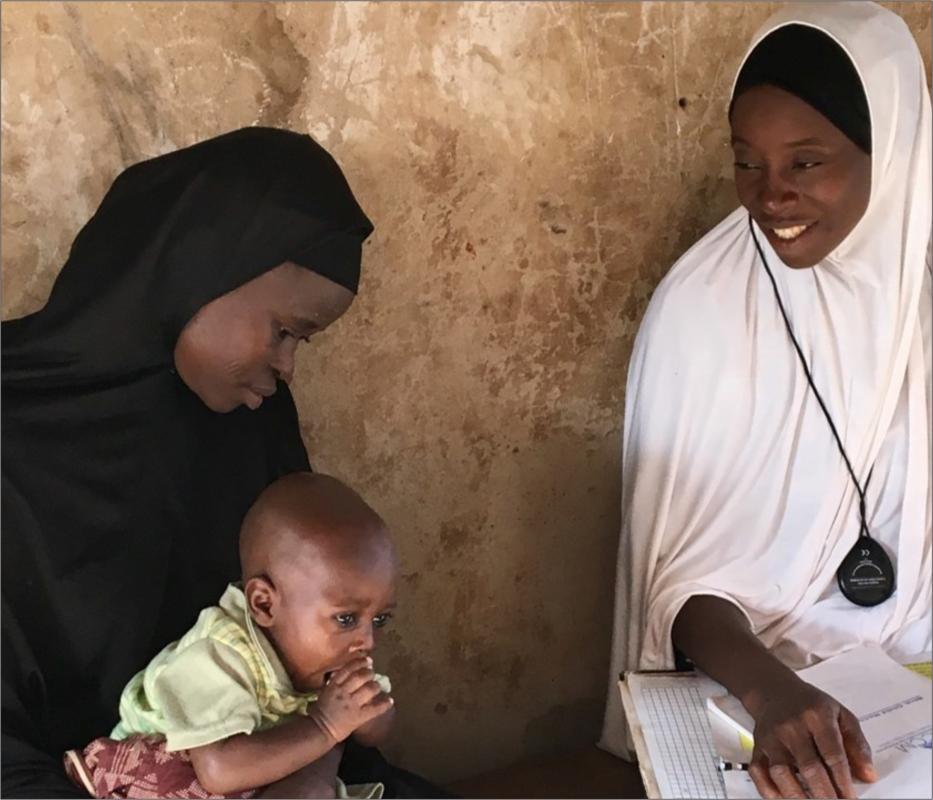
x=806, y=744
x=803, y=737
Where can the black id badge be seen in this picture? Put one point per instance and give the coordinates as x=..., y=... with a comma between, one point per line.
x=866, y=575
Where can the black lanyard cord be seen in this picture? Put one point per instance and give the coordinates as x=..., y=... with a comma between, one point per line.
x=806, y=371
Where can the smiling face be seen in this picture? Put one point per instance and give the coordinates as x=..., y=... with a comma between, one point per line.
x=235, y=349
x=802, y=180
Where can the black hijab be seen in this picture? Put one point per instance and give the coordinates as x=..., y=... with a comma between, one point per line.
x=811, y=65
x=122, y=493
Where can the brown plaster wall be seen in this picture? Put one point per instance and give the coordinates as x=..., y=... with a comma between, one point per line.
x=532, y=170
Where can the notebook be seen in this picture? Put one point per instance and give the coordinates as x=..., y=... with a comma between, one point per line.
x=666, y=713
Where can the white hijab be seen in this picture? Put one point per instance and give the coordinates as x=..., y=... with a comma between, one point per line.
x=732, y=484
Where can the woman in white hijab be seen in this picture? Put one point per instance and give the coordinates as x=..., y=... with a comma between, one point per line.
x=784, y=361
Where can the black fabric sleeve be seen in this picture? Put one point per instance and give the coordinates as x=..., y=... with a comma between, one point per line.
x=26, y=769
x=28, y=772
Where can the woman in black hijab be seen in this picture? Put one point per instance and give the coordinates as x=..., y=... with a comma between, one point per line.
x=144, y=408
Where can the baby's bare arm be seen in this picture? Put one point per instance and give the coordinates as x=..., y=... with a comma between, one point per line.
x=351, y=699
x=249, y=761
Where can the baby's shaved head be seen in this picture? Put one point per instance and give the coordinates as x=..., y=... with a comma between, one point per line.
x=307, y=514
x=319, y=574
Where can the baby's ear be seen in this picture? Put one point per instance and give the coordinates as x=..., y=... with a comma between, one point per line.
x=262, y=600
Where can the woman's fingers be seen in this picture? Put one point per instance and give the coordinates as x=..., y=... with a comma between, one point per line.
x=807, y=757
x=856, y=746
x=829, y=741
x=784, y=777
x=817, y=780
x=795, y=765
x=761, y=777
x=773, y=773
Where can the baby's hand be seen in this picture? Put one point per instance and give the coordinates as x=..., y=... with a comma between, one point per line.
x=350, y=699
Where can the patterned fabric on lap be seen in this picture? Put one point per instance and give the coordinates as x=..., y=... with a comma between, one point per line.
x=137, y=767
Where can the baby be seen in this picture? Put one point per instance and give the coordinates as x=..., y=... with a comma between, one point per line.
x=258, y=696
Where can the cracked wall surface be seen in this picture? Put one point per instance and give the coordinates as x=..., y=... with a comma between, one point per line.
x=532, y=169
